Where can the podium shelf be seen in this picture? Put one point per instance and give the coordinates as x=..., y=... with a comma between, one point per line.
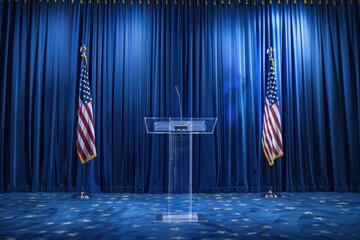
x=156, y=125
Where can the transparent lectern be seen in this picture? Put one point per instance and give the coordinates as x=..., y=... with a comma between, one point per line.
x=180, y=131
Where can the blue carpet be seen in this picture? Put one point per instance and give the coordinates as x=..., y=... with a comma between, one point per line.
x=131, y=216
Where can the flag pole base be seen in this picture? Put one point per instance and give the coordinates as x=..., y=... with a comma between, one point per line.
x=82, y=195
x=271, y=194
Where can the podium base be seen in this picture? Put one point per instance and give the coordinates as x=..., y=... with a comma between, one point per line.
x=180, y=217
x=82, y=195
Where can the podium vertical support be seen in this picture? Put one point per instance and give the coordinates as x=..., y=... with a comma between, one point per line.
x=180, y=180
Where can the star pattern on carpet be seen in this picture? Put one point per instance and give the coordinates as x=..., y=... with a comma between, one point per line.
x=228, y=216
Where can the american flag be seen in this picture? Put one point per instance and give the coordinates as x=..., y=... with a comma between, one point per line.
x=85, y=135
x=272, y=133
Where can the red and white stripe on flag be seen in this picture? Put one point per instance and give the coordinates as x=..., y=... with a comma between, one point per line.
x=272, y=133
x=85, y=132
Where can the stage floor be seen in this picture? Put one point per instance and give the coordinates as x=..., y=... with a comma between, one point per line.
x=319, y=215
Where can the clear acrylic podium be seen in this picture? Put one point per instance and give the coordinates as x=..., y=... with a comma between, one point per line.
x=180, y=131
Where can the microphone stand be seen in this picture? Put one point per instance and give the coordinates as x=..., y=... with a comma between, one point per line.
x=177, y=91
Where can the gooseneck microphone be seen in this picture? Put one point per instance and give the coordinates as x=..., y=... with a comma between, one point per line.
x=177, y=91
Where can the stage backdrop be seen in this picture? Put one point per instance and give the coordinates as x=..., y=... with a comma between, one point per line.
x=216, y=54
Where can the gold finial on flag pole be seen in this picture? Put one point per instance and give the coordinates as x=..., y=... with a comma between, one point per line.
x=270, y=51
x=83, y=50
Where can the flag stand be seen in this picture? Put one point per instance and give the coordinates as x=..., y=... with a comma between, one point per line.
x=82, y=194
x=272, y=133
x=85, y=135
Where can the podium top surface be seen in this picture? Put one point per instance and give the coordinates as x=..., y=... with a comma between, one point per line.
x=163, y=125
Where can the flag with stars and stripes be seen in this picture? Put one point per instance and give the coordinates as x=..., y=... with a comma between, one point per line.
x=85, y=135
x=272, y=134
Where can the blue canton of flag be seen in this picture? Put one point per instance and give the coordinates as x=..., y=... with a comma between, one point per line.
x=272, y=132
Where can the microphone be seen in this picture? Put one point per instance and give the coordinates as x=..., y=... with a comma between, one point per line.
x=177, y=91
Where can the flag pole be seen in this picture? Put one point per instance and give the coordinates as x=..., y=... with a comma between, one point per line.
x=82, y=194
x=272, y=131
x=85, y=137
x=270, y=193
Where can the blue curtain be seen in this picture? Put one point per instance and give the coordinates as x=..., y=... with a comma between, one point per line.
x=217, y=56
